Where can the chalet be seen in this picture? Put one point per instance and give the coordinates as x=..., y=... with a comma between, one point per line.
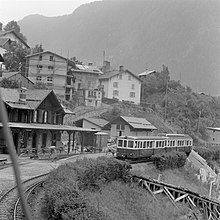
x=125, y=126
x=36, y=119
x=214, y=135
x=120, y=84
x=9, y=36
x=22, y=80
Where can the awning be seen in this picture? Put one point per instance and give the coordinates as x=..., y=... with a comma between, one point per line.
x=36, y=126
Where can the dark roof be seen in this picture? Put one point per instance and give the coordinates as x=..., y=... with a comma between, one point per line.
x=146, y=72
x=3, y=33
x=33, y=98
x=112, y=73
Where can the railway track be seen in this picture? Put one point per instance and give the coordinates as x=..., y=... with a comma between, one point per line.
x=10, y=202
x=202, y=207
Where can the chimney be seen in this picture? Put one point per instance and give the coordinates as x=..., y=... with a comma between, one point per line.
x=121, y=68
x=1, y=26
x=22, y=94
x=106, y=66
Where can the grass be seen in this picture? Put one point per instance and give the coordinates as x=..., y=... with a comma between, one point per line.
x=184, y=177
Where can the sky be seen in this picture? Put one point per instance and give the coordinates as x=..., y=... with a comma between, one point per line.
x=18, y=9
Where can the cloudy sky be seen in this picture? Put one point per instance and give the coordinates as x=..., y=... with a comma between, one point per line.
x=17, y=9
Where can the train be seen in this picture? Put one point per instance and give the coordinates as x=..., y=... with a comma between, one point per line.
x=143, y=147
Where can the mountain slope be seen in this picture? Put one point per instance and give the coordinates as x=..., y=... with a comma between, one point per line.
x=183, y=35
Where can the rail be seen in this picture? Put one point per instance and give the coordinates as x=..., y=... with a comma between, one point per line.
x=209, y=208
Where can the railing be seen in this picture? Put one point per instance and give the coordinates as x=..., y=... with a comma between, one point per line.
x=210, y=209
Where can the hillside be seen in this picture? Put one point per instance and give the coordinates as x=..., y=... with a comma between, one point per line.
x=183, y=35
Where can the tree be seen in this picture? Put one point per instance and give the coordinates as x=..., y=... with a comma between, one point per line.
x=37, y=49
x=7, y=83
x=14, y=58
x=13, y=25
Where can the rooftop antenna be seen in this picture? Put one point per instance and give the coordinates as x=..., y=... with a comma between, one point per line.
x=103, y=56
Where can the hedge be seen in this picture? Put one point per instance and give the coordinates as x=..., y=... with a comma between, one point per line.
x=169, y=160
x=208, y=153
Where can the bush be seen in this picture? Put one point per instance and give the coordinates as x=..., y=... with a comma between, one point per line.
x=169, y=160
x=208, y=153
x=64, y=198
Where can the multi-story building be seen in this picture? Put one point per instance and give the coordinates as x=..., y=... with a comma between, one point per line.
x=120, y=84
x=51, y=70
x=62, y=75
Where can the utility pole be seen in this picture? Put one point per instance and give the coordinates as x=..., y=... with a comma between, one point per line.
x=166, y=101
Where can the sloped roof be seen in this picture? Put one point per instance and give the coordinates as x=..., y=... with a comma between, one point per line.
x=138, y=123
x=4, y=40
x=147, y=72
x=3, y=33
x=213, y=129
x=112, y=73
x=33, y=98
x=97, y=121
x=88, y=68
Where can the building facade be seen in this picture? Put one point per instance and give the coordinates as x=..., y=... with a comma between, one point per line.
x=121, y=84
x=130, y=126
x=32, y=115
x=214, y=135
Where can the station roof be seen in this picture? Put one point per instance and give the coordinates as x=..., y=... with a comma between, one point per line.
x=36, y=126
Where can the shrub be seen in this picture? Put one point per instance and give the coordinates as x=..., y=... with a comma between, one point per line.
x=64, y=198
x=169, y=160
x=211, y=153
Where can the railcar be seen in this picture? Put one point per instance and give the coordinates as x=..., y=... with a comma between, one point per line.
x=140, y=147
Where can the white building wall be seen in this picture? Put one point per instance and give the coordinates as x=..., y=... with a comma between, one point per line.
x=87, y=124
x=125, y=85
x=214, y=136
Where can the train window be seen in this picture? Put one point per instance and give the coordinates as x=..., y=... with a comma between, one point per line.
x=157, y=143
x=125, y=143
x=131, y=144
x=138, y=144
x=144, y=144
x=151, y=144
x=168, y=143
x=173, y=143
x=162, y=143
x=165, y=143
x=135, y=144
x=148, y=144
x=141, y=144
x=120, y=143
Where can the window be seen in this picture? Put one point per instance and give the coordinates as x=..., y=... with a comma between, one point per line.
x=115, y=92
x=120, y=127
x=50, y=67
x=144, y=145
x=115, y=84
x=51, y=58
x=120, y=143
x=132, y=86
x=129, y=77
x=40, y=57
x=50, y=79
x=132, y=94
x=130, y=144
x=39, y=66
x=125, y=143
x=38, y=78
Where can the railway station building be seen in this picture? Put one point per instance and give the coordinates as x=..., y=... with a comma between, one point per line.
x=36, y=120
